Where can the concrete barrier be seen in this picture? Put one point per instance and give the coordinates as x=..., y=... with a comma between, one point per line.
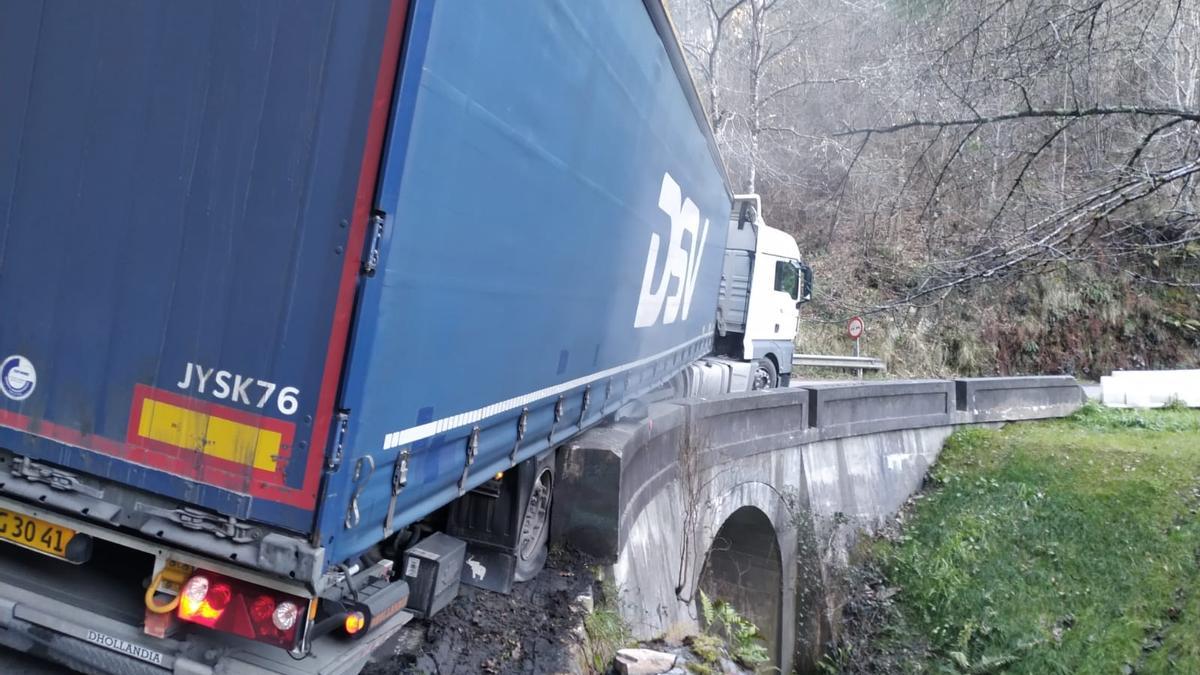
x=607, y=475
x=871, y=407
x=602, y=473
x=1150, y=388
x=739, y=425
x=1000, y=399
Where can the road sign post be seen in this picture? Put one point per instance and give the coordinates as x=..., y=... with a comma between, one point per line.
x=854, y=329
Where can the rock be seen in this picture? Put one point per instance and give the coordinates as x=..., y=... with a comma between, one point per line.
x=728, y=667
x=643, y=662
x=586, y=601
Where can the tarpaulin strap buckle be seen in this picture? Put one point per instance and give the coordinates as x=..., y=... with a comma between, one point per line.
x=472, y=451
x=360, y=483
x=522, y=423
x=399, y=480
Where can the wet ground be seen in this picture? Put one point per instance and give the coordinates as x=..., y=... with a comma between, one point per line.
x=533, y=630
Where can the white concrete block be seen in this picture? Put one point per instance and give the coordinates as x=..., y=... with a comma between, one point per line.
x=1150, y=388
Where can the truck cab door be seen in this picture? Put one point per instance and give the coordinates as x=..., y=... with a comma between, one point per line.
x=789, y=284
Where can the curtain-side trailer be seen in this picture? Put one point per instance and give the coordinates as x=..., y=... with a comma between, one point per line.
x=281, y=280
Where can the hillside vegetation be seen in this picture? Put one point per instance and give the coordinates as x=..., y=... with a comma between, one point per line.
x=1070, y=546
x=1000, y=186
x=1073, y=321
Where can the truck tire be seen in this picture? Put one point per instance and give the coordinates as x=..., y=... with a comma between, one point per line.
x=534, y=535
x=765, y=375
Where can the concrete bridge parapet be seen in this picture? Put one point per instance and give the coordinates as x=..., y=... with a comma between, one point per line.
x=756, y=498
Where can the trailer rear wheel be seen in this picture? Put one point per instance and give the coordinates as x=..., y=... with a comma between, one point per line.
x=535, y=525
x=766, y=375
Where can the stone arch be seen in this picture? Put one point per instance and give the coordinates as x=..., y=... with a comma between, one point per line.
x=744, y=566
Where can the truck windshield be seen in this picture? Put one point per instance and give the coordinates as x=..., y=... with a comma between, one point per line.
x=787, y=278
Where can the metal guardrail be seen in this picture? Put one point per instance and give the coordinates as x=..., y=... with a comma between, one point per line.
x=831, y=361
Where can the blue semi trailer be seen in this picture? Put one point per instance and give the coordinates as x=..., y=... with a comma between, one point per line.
x=287, y=287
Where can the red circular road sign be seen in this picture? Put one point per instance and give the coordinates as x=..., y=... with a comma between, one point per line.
x=855, y=327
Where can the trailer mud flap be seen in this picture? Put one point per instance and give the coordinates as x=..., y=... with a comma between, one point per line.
x=488, y=568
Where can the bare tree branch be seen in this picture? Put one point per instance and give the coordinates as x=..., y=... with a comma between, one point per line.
x=1181, y=114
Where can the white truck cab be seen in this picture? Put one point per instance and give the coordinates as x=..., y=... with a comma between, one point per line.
x=763, y=284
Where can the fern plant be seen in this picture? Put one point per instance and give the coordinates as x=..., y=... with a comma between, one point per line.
x=742, y=638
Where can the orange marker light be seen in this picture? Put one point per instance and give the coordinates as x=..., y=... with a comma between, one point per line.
x=355, y=621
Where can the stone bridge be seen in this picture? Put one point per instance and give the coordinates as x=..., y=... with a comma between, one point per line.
x=756, y=498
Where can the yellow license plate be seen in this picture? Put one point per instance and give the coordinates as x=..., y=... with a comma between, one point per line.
x=35, y=533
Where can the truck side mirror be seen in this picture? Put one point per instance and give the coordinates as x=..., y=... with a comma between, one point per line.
x=806, y=286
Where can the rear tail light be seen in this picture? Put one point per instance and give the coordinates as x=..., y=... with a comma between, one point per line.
x=284, y=616
x=234, y=606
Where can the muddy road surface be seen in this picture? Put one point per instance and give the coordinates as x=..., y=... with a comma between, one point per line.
x=533, y=630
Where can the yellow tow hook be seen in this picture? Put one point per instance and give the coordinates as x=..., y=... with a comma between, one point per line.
x=174, y=574
x=159, y=620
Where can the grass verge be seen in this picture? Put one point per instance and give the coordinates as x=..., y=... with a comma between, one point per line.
x=1067, y=546
x=606, y=631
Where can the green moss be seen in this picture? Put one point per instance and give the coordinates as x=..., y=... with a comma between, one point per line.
x=706, y=647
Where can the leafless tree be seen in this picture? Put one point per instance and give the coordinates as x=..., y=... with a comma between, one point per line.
x=702, y=48
x=950, y=144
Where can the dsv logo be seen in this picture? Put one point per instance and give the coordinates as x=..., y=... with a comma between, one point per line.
x=682, y=264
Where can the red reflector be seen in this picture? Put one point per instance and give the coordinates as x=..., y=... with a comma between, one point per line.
x=240, y=608
x=261, y=609
x=218, y=596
